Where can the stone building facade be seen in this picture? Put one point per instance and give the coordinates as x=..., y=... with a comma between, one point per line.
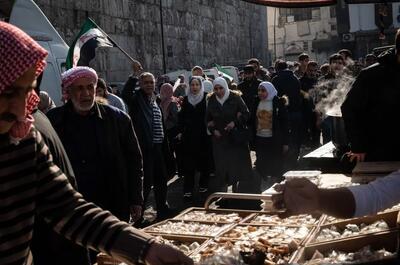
x=196, y=32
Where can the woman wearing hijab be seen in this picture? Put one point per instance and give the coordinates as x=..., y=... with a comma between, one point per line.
x=269, y=122
x=170, y=108
x=193, y=133
x=225, y=113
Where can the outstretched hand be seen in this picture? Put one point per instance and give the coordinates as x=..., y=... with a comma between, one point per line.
x=299, y=196
x=159, y=254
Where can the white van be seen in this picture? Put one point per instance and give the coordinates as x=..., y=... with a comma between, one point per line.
x=27, y=16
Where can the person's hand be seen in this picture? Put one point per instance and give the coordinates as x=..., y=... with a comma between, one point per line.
x=299, y=196
x=210, y=124
x=358, y=157
x=285, y=149
x=137, y=68
x=136, y=212
x=217, y=134
x=230, y=126
x=159, y=254
x=179, y=136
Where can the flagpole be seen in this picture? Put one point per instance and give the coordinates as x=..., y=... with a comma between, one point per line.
x=113, y=42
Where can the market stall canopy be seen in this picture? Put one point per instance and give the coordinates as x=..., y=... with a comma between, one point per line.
x=293, y=3
x=370, y=1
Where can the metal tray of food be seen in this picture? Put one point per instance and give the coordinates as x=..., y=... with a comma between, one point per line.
x=214, y=215
x=274, y=234
x=296, y=220
x=187, y=228
x=359, y=250
x=355, y=227
x=223, y=246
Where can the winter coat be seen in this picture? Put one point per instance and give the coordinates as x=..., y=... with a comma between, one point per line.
x=119, y=155
x=371, y=110
x=286, y=83
x=249, y=91
x=192, y=125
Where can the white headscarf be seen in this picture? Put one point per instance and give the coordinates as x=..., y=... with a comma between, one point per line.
x=192, y=98
x=208, y=86
x=222, y=82
x=271, y=90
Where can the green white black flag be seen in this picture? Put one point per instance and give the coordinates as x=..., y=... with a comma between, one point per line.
x=83, y=48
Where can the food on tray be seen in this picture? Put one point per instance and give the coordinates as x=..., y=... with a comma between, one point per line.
x=273, y=254
x=303, y=219
x=275, y=235
x=185, y=247
x=350, y=230
x=211, y=216
x=187, y=228
x=366, y=254
x=331, y=219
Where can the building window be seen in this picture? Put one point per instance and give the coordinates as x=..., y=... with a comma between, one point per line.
x=305, y=46
x=299, y=14
x=332, y=11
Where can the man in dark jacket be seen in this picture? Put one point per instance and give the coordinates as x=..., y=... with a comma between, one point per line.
x=147, y=120
x=371, y=110
x=286, y=83
x=308, y=82
x=249, y=86
x=102, y=146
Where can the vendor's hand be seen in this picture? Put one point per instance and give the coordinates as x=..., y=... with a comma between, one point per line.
x=217, y=134
x=136, y=212
x=358, y=157
x=230, y=126
x=299, y=196
x=285, y=149
x=159, y=254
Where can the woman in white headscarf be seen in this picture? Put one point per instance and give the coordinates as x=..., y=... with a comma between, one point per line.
x=193, y=133
x=269, y=123
x=226, y=117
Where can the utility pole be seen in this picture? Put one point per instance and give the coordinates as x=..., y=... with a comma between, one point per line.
x=274, y=34
x=162, y=39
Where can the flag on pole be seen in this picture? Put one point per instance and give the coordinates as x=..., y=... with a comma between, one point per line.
x=83, y=48
x=223, y=72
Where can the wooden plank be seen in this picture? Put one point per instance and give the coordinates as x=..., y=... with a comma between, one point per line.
x=376, y=167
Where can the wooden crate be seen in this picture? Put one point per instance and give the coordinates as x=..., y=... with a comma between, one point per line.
x=388, y=240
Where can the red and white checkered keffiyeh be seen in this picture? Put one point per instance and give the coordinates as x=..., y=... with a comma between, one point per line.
x=73, y=74
x=18, y=53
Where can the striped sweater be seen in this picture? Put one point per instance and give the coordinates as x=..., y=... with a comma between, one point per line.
x=30, y=183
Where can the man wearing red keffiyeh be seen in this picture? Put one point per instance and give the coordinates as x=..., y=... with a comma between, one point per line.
x=31, y=184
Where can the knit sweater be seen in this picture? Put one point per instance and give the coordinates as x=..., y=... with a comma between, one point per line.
x=31, y=184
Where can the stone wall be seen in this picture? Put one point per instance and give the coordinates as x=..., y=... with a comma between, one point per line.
x=196, y=32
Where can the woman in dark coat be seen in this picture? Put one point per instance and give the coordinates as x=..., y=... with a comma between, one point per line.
x=226, y=112
x=193, y=134
x=269, y=123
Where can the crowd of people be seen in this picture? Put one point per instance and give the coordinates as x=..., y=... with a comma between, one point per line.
x=114, y=149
